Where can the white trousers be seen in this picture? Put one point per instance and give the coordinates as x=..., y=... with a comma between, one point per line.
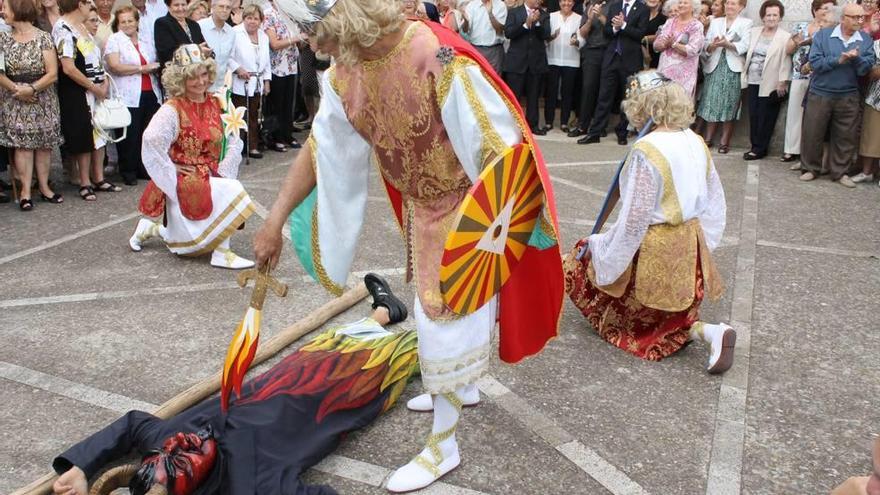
x=795, y=116
x=454, y=353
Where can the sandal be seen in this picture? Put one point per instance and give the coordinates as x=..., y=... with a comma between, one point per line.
x=25, y=204
x=789, y=158
x=280, y=148
x=724, y=149
x=87, y=193
x=294, y=144
x=55, y=198
x=105, y=186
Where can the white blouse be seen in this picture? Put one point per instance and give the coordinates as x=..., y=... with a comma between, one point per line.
x=560, y=51
x=698, y=191
x=253, y=59
x=129, y=87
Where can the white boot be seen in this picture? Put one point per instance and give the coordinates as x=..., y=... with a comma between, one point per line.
x=469, y=395
x=223, y=257
x=722, y=341
x=145, y=229
x=439, y=456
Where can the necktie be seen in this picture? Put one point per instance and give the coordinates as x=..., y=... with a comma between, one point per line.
x=625, y=9
x=617, y=45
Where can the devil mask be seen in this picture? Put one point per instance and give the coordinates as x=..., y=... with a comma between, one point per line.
x=180, y=466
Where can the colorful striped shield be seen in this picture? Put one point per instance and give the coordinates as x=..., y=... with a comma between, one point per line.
x=493, y=228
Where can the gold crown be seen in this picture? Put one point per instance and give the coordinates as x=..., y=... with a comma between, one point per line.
x=187, y=55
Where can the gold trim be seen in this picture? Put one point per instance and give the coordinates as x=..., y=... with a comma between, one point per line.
x=372, y=65
x=198, y=240
x=669, y=200
x=227, y=232
x=323, y=278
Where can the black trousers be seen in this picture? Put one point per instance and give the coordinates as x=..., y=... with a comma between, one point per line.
x=555, y=76
x=612, y=83
x=527, y=85
x=763, y=112
x=279, y=104
x=131, y=166
x=591, y=72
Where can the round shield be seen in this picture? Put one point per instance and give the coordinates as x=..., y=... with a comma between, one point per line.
x=492, y=230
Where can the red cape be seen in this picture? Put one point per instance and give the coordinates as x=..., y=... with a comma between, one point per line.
x=530, y=303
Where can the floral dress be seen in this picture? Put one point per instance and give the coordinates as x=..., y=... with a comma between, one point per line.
x=681, y=68
x=22, y=124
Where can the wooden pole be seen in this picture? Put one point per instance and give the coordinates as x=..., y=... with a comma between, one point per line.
x=209, y=386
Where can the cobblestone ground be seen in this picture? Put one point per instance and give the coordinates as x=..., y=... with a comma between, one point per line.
x=91, y=329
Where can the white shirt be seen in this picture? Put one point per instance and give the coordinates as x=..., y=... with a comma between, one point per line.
x=222, y=41
x=560, y=52
x=152, y=11
x=838, y=33
x=481, y=31
x=254, y=61
x=129, y=87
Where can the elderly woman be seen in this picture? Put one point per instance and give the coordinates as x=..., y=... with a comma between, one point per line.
x=29, y=121
x=81, y=82
x=725, y=47
x=48, y=15
x=193, y=163
x=134, y=66
x=564, y=62
x=174, y=30
x=680, y=42
x=768, y=71
x=641, y=282
x=252, y=72
x=283, y=57
x=798, y=46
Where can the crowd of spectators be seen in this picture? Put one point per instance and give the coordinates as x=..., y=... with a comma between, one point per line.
x=59, y=59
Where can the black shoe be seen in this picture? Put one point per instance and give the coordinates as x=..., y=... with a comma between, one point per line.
x=622, y=141
x=130, y=181
x=604, y=133
x=382, y=296
x=751, y=155
x=588, y=139
x=255, y=154
x=576, y=132
x=539, y=132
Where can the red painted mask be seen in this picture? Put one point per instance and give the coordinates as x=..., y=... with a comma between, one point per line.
x=181, y=465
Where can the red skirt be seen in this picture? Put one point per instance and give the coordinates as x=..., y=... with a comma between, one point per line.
x=648, y=333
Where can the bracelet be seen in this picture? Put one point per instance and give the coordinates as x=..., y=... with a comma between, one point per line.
x=34, y=88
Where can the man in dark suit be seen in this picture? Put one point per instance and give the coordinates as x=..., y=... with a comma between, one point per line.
x=527, y=27
x=625, y=27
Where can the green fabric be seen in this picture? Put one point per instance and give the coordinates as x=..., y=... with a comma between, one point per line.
x=301, y=232
x=539, y=239
x=721, y=90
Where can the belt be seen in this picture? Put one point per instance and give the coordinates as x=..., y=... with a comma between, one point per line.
x=489, y=46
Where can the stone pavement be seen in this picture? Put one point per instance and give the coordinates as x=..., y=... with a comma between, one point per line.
x=91, y=329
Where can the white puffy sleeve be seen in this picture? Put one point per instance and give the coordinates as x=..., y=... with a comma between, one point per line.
x=714, y=215
x=228, y=166
x=477, y=119
x=613, y=250
x=158, y=137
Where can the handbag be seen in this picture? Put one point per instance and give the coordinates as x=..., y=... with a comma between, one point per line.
x=110, y=114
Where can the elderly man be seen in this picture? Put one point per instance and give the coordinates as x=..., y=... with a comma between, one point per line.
x=838, y=58
x=484, y=25
x=105, y=18
x=220, y=38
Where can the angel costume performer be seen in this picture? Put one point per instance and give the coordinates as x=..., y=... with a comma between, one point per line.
x=424, y=108
x=204, y=207
x=642, y=285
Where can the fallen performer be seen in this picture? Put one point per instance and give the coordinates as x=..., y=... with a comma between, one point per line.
x=286, y=420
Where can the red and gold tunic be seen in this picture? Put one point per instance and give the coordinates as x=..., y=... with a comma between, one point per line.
x=199, y=142
x=392, y=102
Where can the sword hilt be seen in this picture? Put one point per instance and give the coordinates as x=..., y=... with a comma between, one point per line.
x=262, y=282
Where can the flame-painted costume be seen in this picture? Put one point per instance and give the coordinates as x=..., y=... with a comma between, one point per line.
x=285, y=421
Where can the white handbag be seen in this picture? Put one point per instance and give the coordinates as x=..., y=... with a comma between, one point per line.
x=111, y=114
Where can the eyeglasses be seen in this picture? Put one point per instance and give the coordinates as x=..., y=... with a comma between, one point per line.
x=856, y=17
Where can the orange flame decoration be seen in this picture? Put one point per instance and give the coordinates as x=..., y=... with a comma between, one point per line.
x=240, y=355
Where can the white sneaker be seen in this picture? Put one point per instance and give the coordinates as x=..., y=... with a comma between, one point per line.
x=862, y=177
x=420, y=473
x=845, y=181
x=142, y=232
x=425, y=403
x=225, y=258
x=723, y=342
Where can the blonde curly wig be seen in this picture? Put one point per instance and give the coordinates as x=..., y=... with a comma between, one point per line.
x=668, y=105
x=355, y=24
x=174, y=76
